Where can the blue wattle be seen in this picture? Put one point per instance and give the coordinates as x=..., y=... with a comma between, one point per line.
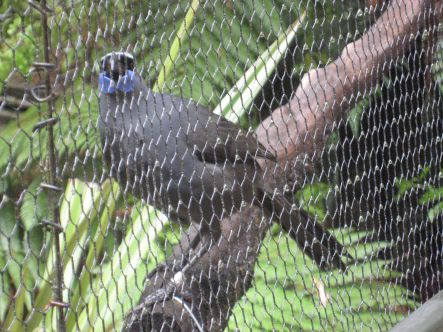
x=125, y=83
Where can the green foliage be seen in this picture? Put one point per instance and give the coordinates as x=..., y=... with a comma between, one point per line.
x=312, y=199
x=34, y=206
x=429, y=195
x=182, y=34
x=17, y=47
x=437, y=67
x=354, y=117
x=97, y=283
x=291, y=294
x=237, y=101
x=222, y=47
x=76, y=133
x=19, y=252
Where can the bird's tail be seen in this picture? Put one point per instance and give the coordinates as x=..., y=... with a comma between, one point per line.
x=312, y=238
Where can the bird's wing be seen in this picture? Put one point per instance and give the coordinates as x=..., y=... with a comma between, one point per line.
x=215, y=139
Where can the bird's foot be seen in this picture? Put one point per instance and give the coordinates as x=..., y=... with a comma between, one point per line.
x=166, y=292
x=160, y=295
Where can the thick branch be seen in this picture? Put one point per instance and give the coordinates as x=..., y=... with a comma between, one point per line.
x=210, y=289
x=299, y=129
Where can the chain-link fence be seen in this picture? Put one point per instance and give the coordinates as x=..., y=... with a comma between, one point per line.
x=219, y=165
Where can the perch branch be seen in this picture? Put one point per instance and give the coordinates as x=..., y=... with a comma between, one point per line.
x=298, y=131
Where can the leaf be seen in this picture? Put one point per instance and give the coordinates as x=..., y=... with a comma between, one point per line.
x=242, y=94
x=354, y=117
x=5, y=286
x=78, y=211
x=312, y=198
x=4, y=185
x=284, y=298
x=83, y=290
x=15, y=268
x=431, y=194
x=35, y=205
x=76, y=138
x=435, y=211
x=182, y=35
x=9, y=232
x=125, y=274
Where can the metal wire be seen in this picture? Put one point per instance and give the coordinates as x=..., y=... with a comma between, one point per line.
x=219, y=165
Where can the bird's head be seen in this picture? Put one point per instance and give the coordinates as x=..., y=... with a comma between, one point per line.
x=117, y=73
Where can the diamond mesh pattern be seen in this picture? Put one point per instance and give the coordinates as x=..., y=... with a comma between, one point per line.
x=219, y=165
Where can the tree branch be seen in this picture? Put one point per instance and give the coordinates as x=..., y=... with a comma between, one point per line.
x=298, y=131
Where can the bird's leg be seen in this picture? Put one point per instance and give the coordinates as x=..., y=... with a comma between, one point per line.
x=169, y=287
x=206, y=235
x=186, y=257
x=206, y=244
x=193, y=244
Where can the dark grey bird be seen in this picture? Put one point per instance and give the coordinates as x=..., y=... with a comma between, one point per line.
x=193, y=165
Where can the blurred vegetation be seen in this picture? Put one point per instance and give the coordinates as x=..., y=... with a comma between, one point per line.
x=110, y=242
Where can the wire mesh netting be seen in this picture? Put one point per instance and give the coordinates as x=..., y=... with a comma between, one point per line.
x=219, y=165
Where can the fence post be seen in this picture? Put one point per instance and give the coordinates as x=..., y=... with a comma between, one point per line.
x=52, y=185
x=427, y=318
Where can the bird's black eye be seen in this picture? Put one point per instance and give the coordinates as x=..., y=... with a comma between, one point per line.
x=126, y=61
